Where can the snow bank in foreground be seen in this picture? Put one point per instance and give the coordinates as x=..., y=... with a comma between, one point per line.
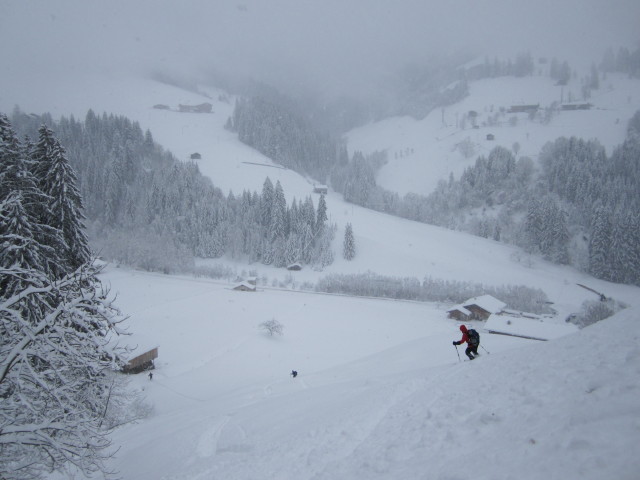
x=559, y=410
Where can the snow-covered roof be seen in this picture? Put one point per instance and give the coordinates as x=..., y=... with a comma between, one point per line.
x=459, y=308
x=518, y=313
x=527, y=327
x=486, y=302
x=246, y=285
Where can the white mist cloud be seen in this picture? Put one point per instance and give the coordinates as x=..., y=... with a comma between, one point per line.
x=328, y=44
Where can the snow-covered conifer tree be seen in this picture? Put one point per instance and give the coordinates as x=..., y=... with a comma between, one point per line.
x=349, y=244
x=266, y=202
x=321, y=215
x=19, y=244
x=56, y=350
x=57, y=180
x=278, y=223
x=26, y=205
x=599, y=243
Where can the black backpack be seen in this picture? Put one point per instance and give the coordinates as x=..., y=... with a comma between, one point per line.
x=474, y=337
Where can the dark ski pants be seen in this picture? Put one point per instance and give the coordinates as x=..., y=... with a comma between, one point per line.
x=471, y=349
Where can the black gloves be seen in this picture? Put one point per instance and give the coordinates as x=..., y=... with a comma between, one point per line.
x=456, y=343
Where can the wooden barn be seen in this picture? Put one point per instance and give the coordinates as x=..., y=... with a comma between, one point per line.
x=459, y=313
x=141, y=362
x=483, y=306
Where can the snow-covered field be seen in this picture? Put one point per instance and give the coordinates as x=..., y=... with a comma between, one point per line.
x=381, y=393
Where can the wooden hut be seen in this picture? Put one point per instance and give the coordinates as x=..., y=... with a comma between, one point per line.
x=459, y=313
x=245, y=287
x=141, y=362
x=483, y=306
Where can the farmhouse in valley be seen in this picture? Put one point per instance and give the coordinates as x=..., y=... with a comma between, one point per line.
x=248, y=285
x=459, y=313
x=477, y=308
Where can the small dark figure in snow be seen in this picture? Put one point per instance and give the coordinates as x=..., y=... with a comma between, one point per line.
x=294, y=374
x=472, y=338
x=150, y=375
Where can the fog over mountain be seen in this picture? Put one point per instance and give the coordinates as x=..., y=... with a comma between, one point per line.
x=331, y=46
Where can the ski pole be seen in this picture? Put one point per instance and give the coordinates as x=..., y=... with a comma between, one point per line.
x=457, y=352
x=485, y=350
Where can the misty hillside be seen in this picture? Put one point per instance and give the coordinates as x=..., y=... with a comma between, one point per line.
x=420, y=153
x=296, y=208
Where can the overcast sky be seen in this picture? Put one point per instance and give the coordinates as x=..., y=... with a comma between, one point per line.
x=331, y=44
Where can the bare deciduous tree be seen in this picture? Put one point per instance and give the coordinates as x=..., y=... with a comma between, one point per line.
x=272, y=327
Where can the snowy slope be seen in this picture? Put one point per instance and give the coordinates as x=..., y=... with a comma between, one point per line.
x=380, y=391
x=385, y=245
x=422, y=152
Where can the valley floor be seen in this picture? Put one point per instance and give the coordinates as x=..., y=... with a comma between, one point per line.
x=380, y=391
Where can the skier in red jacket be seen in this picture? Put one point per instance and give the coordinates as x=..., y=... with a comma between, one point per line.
x=472, y=339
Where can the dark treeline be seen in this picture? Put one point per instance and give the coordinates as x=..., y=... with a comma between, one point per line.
x=147, y=209
x=621, y=61
x=281, y=133
x=578, y=206
x=518, y=297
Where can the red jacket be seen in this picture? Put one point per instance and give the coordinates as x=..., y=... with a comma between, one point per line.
x=465, y=335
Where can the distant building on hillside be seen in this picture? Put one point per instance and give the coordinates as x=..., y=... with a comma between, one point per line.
x=491, y=136
x=524, y=108
x=202, y=108
x=322, y=189
x=196, y=156
x=575, y=106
